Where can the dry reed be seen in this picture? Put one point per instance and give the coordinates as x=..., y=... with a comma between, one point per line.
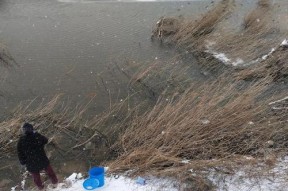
x=210, y=125
x=193, y=33
x=274, y=66
x=257, y=36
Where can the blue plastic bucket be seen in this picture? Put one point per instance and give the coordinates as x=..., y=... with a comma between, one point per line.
x=97, y=173
x=91, y=184
x=96, y=178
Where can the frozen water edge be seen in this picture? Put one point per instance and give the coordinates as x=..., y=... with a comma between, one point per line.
x=222, y=57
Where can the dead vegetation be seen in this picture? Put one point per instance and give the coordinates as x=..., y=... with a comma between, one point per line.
x=256, y=20
x=275, y=66
x=192, y=34
x=205, y=38
x=258, y=35
x=208, y=125
x=218, y=124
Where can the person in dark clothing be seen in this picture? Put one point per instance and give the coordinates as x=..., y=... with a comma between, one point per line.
x=31, y=153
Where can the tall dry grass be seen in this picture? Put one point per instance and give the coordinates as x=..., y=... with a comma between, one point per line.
x=256, y=20
x=162, y=78
x=257, y=37
x=205, y=37
x=211, y=125
x=275, y=67
x=193, y=33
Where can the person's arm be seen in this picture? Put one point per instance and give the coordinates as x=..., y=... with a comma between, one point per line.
x=42, y=139
x=21, y=154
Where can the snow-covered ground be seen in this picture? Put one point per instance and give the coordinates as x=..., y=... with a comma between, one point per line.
x=120, y=183
x=113, y=183
x=258, y=178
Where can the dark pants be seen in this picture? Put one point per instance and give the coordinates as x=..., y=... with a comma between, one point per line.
x=51, y=174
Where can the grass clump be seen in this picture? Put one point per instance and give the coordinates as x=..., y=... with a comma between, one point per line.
x=257, y=18
x=274, y=66
x=206, y=40
x=192, y=33
x=258, y=36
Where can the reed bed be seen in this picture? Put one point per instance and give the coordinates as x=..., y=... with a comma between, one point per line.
x=205, y=38
x=257, y=36
x=213, y=125
x=192, y=34
x=163, y=78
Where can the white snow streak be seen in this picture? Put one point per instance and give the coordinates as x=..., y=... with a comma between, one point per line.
x=285, y=43
x=278, y=101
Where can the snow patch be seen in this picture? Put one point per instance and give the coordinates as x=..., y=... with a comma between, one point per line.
x=222, y=57
x=73, y=177
x=185, y=161
x=254, y=179
x=227, y=61
x=205, y=121
x=239, y=62
x=285, y=43
x=267, y=55
x=280, y=108
x=120, y=183
x=278, y=101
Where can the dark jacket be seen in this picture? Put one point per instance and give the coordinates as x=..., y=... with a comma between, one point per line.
x=31, y=151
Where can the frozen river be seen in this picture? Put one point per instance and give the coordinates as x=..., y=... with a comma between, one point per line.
x=62, y=45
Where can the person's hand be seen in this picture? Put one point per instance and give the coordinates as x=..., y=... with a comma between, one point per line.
x=22, y=168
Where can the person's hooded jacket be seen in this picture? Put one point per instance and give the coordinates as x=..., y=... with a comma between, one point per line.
x=31, y=151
